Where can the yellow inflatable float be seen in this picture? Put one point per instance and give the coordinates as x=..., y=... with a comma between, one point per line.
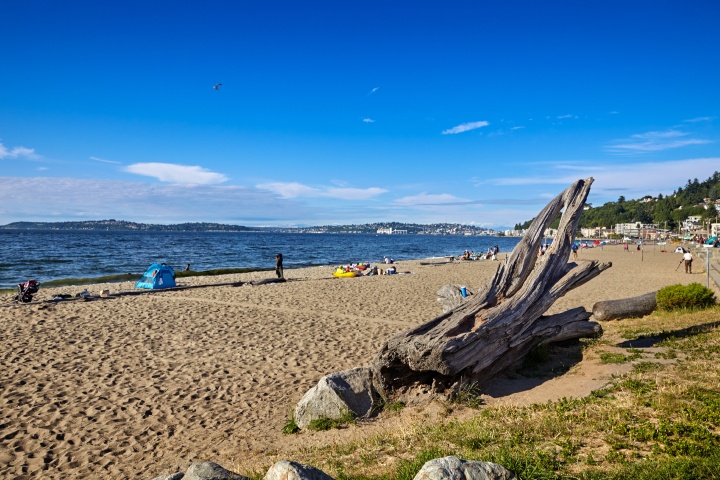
x=340, y=273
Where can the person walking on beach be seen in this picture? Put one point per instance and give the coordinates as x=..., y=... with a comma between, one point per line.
x=279, y=266
x=687, y=256
x=574, y=249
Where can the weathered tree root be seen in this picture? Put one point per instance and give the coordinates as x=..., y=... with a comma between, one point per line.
x=499, y=325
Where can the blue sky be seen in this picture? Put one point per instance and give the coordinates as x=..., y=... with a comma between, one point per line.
x=347, y=112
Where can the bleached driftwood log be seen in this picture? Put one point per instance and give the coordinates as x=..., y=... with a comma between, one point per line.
x=625, y=308
x=499, y=325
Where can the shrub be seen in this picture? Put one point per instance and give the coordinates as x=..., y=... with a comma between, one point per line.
x=693, y=296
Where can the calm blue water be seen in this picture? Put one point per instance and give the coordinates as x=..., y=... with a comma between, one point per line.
x=55, y=255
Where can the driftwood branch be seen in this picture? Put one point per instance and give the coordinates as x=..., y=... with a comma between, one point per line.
x=500, y=324
x=625, y=308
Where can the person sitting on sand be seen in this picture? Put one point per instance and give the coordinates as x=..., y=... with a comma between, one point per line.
x=388, y=260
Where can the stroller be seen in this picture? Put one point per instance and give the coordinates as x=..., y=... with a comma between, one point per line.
x=26, y=291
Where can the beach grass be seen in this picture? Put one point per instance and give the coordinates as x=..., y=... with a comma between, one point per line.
x=659, y=420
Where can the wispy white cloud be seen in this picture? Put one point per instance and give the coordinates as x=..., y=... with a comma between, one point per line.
x=68, y=198
x=368, y=120
x=294, y=190
x=17, y=152
x=700, y=119
x=375, y=89
x=98, y=159
x=654, y=142
x=429, y=199
x=563, y=117
x=465, y=127
x=177, y=174
x=638, y=179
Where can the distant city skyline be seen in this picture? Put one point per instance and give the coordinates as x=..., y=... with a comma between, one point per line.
x=327, y=113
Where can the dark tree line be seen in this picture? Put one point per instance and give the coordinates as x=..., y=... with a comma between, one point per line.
x=669, y=210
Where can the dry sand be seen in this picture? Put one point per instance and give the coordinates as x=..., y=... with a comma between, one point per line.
x=137, y=386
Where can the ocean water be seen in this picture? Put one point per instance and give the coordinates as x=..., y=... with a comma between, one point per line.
x=56, y=255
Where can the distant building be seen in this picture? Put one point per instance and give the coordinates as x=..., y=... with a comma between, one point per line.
x=691, y=223
x=714, y=229
x=390, y=231
x=636, y=230
x=597, y=232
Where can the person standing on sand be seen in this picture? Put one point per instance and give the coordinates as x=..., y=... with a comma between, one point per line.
x=279, y=266
x=687, y=256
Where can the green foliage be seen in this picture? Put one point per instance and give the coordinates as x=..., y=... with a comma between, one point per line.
x=325, y=423
x=469, y=394
x=644, y=367
x=395, y=406
x=656, y=468
x=290, y=426
x=407, y=469
x=663, y=210
x=608, y=357
x=693, y=296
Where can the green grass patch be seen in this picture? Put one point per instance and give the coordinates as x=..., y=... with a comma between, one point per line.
x=609, y=357
x=395, y=406
x=469, y=395
x=325, y=423
x=290, y=426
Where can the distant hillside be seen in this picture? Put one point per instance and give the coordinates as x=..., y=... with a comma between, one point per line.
x=368, y=228
x=122, y=225
x=695, y=198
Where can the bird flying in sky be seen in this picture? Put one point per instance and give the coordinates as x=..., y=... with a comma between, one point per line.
x=217, y=86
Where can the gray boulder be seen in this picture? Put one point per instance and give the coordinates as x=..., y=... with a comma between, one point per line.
x=287, y=470
x=338, y=394
x=450, y=296
x=170, y=476
x=210, y=471
x=452, y=468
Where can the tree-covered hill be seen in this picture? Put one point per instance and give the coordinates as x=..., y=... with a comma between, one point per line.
x=695, y=198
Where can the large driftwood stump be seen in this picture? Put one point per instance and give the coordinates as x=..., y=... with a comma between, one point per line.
x=499, y=325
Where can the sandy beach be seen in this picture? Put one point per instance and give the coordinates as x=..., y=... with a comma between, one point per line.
x=136, y=386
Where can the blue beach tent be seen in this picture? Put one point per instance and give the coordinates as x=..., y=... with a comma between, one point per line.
x=157, y=276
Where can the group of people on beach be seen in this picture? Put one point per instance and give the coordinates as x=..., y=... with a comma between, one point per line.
x=490, y=254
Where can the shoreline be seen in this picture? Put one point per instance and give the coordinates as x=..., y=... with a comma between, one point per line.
x=140, y=385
